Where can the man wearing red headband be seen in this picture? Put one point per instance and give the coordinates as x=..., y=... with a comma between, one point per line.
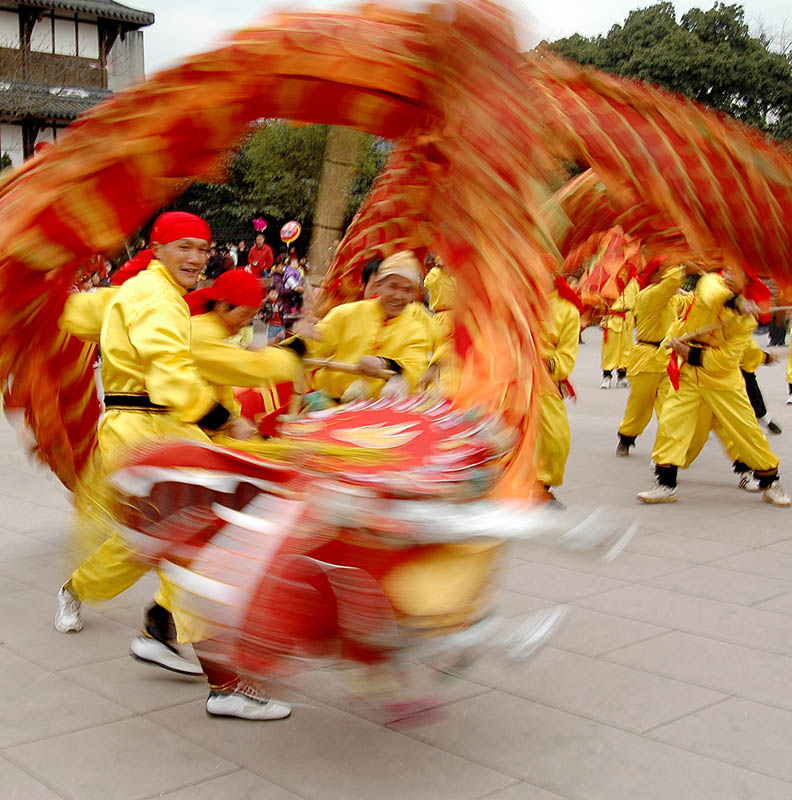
x=219, y=312
x=648, y=362
x=152, y=391
x=710, y=341
x=560, y=338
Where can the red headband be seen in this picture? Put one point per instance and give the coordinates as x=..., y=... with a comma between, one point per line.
x=237, y=287
x=173, y=225
x=568, y=293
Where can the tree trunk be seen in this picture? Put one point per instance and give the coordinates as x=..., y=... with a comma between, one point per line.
x=341, y=156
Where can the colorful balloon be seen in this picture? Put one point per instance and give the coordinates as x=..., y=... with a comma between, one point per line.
x=290, y=231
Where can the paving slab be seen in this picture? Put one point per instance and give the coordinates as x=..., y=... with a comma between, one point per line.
x=671, y=676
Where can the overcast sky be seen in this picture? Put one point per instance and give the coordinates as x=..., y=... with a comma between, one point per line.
x=183, y=28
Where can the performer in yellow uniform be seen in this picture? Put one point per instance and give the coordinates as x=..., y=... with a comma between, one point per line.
x=442, y=290
x=752, y=358
x=648, y=362
x=617, y=337
x=152, y=390
x=221, y=311
x=435, y=326
x=377, y=335
x=560, y=338
x=789, y=377
x=113, y=567
x=711, y=387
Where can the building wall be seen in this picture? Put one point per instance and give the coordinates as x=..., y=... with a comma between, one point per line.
x=125, y=64
x=9, y=29
x=11, y=142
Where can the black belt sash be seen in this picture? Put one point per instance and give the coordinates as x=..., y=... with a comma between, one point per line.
x=133, y=402
x=213, y=420
x=654, y=344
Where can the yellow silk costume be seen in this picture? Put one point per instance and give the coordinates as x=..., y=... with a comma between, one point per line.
x=225, y=366
x=714, y=392
x=752, y=358
x=654, y=314
x=618, y=326
x=440, y=341
x=442, y=292
x=560, y=338
x=354, y=330
x=145, y=340
x=789, y=368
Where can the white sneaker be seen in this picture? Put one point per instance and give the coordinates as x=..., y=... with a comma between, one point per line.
x=749, y=483
x=67, y=617
x=606, y=383
x=152, y=651
x=658, y=494
x=789, y=399
x=776, y=495
x=622, y=383
x=246, y=702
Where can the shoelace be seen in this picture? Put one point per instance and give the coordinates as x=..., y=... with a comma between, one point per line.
x=249, y=690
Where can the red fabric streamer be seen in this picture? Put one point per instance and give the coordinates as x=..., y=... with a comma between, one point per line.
x=652, y=265
x=758, y=292
x=568, y=293
x=673, y=370
x=132, y=267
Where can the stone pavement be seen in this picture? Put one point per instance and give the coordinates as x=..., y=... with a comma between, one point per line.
x=671, y=679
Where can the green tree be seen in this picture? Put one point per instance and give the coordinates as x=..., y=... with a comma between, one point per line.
x=373, y=156
x=284, y=165
x=5, y=162
x=276, y=173
x=710, y=56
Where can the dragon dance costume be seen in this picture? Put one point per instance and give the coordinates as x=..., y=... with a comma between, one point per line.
x=483, y=128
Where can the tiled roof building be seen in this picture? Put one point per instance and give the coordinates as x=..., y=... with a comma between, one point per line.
x=59, y=58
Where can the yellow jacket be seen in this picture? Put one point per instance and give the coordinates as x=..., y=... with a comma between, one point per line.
x=620, y=318
x=753, y=357
x=681, y=302
x=226, y=366
x=560, y=338
x=654, y=315
x=442, y=289
x=144, y=331
x=442, y=295
x=722, y=348
x=84, y=313
x=354, y=330
x=218, y=361
x=439, y=340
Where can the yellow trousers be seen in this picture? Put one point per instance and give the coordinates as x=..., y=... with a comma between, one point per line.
x=647, y=391
x=552, y=446
x=111, y=569
x=689, y=413
x=616, y=346
x=789, y=367
x=702, y=434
